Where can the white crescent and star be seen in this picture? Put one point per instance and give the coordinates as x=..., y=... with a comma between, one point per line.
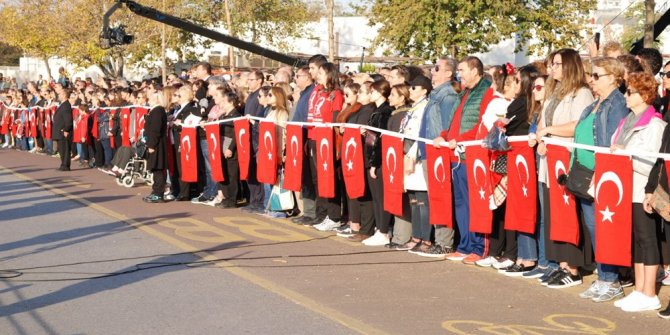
x=557, y=169
x=522, y=160
x=350, y=143
x=213, y=137
x=267, y=136
x=391, y=152
x=439, y=162
x=294, y=140
x=239, y=137
x=186, y=140
x=324, y=142
x=614, y=178
x=479, y=165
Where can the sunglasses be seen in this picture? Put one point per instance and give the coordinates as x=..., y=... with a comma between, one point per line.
x=538, y=87
x=664, y=74
x=347, y=95
x=597, y=76
x=631, y=92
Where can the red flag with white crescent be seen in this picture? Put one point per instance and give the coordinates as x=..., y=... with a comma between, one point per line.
x=353, y=170
x=112, y=116
x=266, y=160
x=48, y=117
x=393, y=173
x=243, y=146
x=189, y=155
x=125, y=127
x=564, y=226
x=140, y=112
x=214, y=148
x=439, y=186
x=479, y=189
x=521, y=210
x=33, y=122
x=613, y=180
x=94, y=129
x=325, y=169
x=293, y=163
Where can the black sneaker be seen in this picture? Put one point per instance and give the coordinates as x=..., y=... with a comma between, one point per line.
x=550, y=277
x=565, y=279
x=627, y=281
x=517, y=270
x=392, y=245
x=435, y=251
x=665, y=314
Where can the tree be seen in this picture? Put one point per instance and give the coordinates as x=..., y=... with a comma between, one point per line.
x=649, y=20
x=634, y=23
x=429, y=28
x=9, y=55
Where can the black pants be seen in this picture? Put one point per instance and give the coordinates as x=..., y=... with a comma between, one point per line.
x=99, y=154
x=160, y=180
x=361, y=211
x=256, y=191
x=64, y=146
x=502, y=242
x=229, y=186
x=331, y=207
x=382, y=217
x=184, y=187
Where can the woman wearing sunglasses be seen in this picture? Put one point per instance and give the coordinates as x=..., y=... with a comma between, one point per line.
x=595, y=127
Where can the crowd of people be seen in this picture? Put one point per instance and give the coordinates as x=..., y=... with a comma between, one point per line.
x=608, y=100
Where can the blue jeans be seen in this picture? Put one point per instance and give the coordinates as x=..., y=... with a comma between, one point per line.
x=527, y=245
x=210, y=186
x=470, y=243
x=267, y=191
x=542, y=260
x=418, y=202
x=82, y=150
x=107, y=150
x=606, y=273
x=49, y=146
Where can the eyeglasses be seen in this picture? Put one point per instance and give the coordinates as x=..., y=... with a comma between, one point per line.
x=631, y=92
x=597, y=76
x=666, y=74
x=555, y=64
x=538, y=87
x=517, y=80
x=436, y=68
x=249, y=79
x=176, y=95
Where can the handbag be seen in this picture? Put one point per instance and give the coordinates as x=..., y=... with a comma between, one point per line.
x=579, y=180
x=499, y=165
x=660, y=200
x=281, y=199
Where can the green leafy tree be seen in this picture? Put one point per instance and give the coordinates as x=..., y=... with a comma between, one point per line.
x=9, y=55
x=429, y=28
x=633, y=27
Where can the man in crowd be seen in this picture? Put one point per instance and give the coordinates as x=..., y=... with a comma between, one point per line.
x=253, y=108
x=62, y=127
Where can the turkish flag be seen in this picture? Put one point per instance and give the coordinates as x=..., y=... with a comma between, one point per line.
x=214, y=147
x=325, y=169
x=479, y=189
x=266, y=160
x=48, y=115
x=140, y=112
x=243, y=146
x=94, y=129
x=393, y=172
x=564, y=226
x=125, y=127
x=521, y=210
x=81, y=132
x=112, y=115
x=293, y=163
x=353, y=170
x=439, y=186
x=33, y=122
x=189, y=155
x=613, y=180
x=40, y=120
x=75, y=126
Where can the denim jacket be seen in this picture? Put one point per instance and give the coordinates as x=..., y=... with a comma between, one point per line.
x=437, y=115
x=612, y=110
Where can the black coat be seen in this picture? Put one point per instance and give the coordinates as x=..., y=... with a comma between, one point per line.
x=155, y=126
x=190, y=108
x=62, y=121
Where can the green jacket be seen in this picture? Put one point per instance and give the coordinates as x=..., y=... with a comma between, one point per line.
x=471, y=108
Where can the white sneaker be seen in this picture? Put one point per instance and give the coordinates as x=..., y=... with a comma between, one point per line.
x=213, y=202
x=327, y=225
x=642, y=303
x=378, y=239
x=502, y=264
x=666, y=279
x=5, y=145
x=632, y=296
x=486, y=262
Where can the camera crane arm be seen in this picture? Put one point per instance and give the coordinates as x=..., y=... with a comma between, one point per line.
x=153, y=14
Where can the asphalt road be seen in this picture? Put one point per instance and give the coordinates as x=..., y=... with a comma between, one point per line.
x=204, y=271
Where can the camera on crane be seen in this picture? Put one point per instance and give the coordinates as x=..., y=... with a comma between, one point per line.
x=115, y=36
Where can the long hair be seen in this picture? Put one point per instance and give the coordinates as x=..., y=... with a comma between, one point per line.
x=528, y=75
x=573, y=73
x=535, y=107
x=280, y=99
x=332, y=77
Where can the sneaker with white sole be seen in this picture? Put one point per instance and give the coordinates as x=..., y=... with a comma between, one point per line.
x=632, y=296
x=608, y=291
x=327, y=225
x=320, y=224
x=641, y=304
x=666, y=279
x=565, y=279
x=592, y=291
x=376, y=240
x=502, y=263
x=486, y=262
x=537, y=272
x=213, y=202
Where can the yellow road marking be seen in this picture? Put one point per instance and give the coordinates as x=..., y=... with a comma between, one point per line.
x=76, y=183
x=558, y=323
x=294, y=296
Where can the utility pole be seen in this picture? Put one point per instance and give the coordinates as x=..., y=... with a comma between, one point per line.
x=330, y=7
x=649, y=20
x=231, y=51
x=163, y=59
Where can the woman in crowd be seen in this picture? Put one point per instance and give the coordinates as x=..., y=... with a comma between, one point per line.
x=155, y=127
x=278, y=114
x=596, y=127
x=188, y=107
x=559, y=118
x=80, y=133
x=229, y=105
x=641, y=130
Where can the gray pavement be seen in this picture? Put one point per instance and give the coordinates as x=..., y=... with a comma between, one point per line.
x=40, y=229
